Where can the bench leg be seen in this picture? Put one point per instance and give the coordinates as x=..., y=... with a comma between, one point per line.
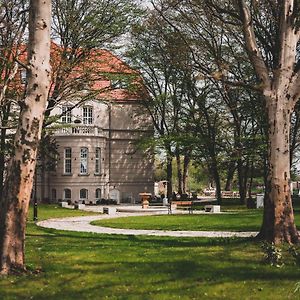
x=169, y=209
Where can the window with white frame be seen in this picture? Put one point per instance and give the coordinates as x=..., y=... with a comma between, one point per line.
x=87, y=114
x=68, y=161
x=67, y=194
x=66, y=114
x=83, y=194
x=84, y=160
x=98, y=161
x=98, y=194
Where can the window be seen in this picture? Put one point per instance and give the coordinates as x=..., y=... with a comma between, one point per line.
x=23, y=76
x=83, y=194
x=67, y=194
x=68, y=161
x=97, y=160
x=66, y=114
x=83, y=160
x=87, y=112
x=98, y=194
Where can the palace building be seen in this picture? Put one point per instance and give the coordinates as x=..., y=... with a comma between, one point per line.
x=97, y=138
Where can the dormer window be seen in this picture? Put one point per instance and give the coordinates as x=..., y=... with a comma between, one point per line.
x=87, y=114
x=23, y=76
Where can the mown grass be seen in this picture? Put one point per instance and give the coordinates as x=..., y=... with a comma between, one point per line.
x=69, y=265
x=238, y=220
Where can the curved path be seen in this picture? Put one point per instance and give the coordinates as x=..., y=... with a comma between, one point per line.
x=82, y=224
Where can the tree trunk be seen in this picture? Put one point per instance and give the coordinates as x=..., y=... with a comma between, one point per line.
x=216, y=177
x=3, y=147
x=186, y=162
x=179, y=172
x=278, y=220
x=18, y=184
x=229, y=178
x=243, y=179
x=169, y=177
x=251, y=181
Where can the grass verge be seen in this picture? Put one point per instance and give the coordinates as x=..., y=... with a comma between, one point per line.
x=73, y=265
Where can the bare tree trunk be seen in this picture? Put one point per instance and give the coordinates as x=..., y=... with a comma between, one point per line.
x=278, y=222
x=18, y=185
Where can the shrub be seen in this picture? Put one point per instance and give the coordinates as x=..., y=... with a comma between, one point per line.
x=296, y=255
x=272, y=254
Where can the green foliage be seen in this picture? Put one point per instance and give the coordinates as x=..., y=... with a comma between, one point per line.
x=295, y=254
x=272, y=254
x=92, y=24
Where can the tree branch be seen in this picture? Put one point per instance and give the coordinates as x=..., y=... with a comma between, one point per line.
x=251, y=45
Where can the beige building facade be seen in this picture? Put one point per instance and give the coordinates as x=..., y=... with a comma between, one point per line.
x=98, y=154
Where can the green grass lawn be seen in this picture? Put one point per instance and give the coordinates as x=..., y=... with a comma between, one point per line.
x=234, y=218
x=69, y=265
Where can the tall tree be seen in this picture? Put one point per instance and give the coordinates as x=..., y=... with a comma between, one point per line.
x=280, y=86
x=18, y=184
x=13, y=22
x=269, y=32
x=160, y=55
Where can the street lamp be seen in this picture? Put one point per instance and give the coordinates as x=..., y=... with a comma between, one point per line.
x=35, y=205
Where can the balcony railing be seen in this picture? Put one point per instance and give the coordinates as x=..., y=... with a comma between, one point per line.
x=79, y=130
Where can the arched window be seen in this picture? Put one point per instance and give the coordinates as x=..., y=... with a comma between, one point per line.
x=67, y=194
x=98, y=194
x=83, y=195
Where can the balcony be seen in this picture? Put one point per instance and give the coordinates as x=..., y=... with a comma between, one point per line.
x=85, y=130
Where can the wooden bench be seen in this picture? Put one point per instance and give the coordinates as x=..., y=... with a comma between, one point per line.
x=175, y=204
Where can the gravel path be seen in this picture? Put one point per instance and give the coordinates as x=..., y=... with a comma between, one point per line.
x=82, y=224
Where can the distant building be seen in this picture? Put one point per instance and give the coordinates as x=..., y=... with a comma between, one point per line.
x=98, y=155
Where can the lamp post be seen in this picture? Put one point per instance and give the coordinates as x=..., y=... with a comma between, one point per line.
x=35, y=205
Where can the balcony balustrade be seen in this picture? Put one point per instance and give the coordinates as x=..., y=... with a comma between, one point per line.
x=78, y=130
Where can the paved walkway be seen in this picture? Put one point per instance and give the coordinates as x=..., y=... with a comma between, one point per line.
x=82, y=224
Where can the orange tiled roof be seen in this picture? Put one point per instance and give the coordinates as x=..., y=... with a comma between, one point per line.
x=101, y=66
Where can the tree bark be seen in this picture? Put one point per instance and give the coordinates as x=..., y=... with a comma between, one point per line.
x=278, y=220
x=169, y=176
x=280, y=87
x=18, y=184
x=230, y=174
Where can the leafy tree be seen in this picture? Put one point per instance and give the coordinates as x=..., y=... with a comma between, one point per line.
x=13, y=21
x=19, y=180
x=160, y=55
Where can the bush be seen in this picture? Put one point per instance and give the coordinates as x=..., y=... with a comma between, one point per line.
x=296, y=255
x=272, y=254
